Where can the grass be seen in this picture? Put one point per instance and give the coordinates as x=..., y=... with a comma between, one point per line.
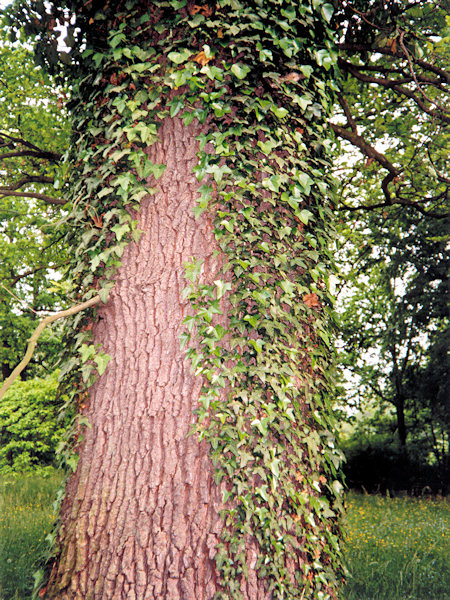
x=25, y=520
x=395, y=549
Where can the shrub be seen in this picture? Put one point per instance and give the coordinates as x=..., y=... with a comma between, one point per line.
x=30, y=426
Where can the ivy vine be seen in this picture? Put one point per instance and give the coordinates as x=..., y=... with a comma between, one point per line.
x=261, y=76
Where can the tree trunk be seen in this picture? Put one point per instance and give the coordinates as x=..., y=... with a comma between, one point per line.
x=401, y=425
x=140, y=519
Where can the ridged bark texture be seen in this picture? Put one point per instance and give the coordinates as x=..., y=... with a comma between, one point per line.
x=140, y=520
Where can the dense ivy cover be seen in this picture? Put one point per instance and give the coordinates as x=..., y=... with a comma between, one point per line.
x=260, y=75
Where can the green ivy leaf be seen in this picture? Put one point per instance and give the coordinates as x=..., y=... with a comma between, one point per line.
x=101, y=360
x=239, y=70
x=181, y=56
x=327, y=11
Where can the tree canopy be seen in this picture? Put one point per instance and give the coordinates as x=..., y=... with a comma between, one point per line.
x=34, y=133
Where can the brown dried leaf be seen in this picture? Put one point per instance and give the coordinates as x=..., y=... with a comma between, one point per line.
x=206, y=10
x=202, y=59
x=311, y=300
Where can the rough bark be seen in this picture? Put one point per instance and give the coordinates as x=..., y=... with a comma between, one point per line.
x=140, y=519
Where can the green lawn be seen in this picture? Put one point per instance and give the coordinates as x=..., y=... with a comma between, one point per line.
x=25, y=520
x=396, y=549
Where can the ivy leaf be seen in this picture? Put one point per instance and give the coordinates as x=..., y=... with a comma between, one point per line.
x=87, y=352
x=180, y=57
x=101, y=360
x=240, y=70
x=327, y=11
x=311, y=300
x=117, y=39
x=305, y=181
x=304, y=216
x=222, y=287
x=288, y=287
x=72, y=461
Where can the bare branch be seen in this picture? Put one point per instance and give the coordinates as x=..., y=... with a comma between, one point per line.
x=345, y=107
x=401, y=201
x=358, y=141
x=439, y=176
x=35, y=336
x=9, y=141
x=28, y=179
x=17, y=278
x=17, y=298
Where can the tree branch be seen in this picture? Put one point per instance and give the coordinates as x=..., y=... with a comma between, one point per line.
x=4, y=192
x=396, y=200
x=9, y=141
x=17, y=278
x=357, y=140
x=35, y=336
x=411, y=68
x=393, y=85
x=444, y=75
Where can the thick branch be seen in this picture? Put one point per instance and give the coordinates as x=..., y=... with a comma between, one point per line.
x=17, y=278
x=9, y=141
x=345, y=107
x=392, y=84
x=35, y=336
x=28, y=179
x=445, y=76
x=411, y=68
x=396, y=200
x=354, y=138
x=35, y=153
x=5, y=193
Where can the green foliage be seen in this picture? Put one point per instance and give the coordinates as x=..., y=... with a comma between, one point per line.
x=395, y=326
x=30, y=426
x=394, y=104
x=393, y=303
x=33, y=134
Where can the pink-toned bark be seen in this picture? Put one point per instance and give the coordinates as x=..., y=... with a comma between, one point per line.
x=140, y=520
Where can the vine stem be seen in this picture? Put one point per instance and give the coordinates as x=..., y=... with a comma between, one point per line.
x=73, y=310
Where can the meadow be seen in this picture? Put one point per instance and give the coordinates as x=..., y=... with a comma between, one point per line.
x=26, y=518
x=395, y=548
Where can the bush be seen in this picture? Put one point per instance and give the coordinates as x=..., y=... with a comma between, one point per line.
x=30, y=427
x=380, y=466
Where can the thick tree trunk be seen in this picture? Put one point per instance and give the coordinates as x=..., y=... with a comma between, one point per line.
x=142, y=515
x=140, y=519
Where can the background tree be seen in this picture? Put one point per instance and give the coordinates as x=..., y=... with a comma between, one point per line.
x=33, y=136
x=394, y=105
x=31, y=427
x=393, y=303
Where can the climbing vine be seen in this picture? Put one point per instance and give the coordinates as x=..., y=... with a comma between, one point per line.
x=259, y=75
